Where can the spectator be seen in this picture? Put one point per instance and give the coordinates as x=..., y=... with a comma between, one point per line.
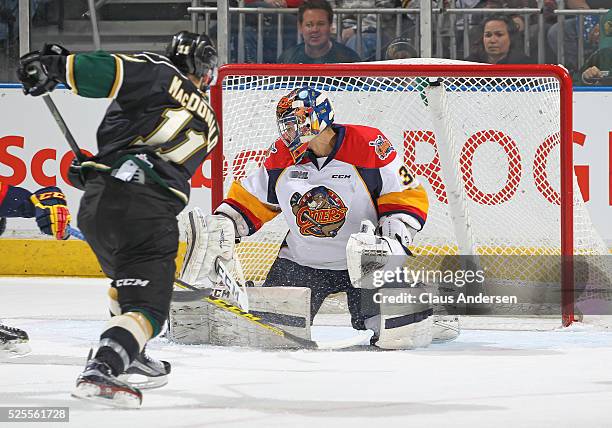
x=315, y=19
x=368, y=24
x=570, y=30
x=497, y=44
x=400, y=48
x=598, y=67
x=269, y=29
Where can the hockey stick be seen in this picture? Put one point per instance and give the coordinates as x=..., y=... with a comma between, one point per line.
x=195, y=229
x=235, y=290
x=63, y=127
x=258, y=321
x=75, y=233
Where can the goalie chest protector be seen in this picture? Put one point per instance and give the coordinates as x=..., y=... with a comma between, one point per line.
x=324, y=200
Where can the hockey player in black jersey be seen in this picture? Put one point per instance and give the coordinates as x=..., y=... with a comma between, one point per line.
x=155, y=134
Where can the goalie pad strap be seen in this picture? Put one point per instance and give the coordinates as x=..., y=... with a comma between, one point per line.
x=408, y=319
x=280, y=319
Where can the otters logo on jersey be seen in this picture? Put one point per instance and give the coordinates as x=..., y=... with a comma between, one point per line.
x=382, y=147
x=319, y=212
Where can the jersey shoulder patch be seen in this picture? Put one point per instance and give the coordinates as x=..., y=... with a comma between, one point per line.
x=366, y=147
x=279, y=156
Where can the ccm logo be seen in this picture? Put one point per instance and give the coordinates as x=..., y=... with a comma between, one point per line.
x=341, y=176
x=131, y=282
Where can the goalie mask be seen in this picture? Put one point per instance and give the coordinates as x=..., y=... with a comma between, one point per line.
x=301, y=115
x=194, y=54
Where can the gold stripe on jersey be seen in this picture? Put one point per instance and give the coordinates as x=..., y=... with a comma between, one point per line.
x=410, y=198
x=70, y=73
x=262, y=212
x=118, y=78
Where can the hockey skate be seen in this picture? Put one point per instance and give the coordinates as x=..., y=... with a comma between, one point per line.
x=98, y=384
x=13, y=341
x=146, y=372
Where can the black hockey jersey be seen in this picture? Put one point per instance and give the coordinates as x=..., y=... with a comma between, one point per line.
x=155, y=110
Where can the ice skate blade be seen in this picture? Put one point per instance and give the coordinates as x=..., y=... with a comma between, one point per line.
x=120, y=399
x=144, y=382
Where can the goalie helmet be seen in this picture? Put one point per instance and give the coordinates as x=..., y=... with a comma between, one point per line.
x=194, y=54
x=301, y=115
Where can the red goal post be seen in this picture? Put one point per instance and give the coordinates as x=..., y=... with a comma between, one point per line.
x=251, y=83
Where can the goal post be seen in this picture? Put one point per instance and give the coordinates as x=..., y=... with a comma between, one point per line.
x=517, y=116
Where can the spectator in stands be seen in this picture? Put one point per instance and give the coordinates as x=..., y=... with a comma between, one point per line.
x=570, y=30
x=269, y=29
x=497, y=43
x=400, y=48
x=368, y=24
x=598, y=67
x=315, y=19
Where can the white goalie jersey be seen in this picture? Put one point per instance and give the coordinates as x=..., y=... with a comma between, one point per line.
x=325, y=200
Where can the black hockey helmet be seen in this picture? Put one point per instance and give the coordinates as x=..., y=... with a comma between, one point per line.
x=194, y=54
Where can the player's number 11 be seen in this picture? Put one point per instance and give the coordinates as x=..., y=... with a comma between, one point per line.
x=174, y=120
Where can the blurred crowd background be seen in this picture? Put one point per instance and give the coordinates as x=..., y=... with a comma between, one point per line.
x=575, y=33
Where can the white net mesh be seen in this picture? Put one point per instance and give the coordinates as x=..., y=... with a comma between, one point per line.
x=500, y=134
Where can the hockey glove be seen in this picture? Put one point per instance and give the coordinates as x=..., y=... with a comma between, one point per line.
x=41, y=71
x=76, y=175
x=367, y=253
x=401, y=227
x=52, y=215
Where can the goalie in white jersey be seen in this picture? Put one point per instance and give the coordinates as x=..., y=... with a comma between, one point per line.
x=326, y=178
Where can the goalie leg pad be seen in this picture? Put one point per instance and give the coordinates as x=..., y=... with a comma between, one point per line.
x=401, y=325
x=210, y=322
x=208, y=238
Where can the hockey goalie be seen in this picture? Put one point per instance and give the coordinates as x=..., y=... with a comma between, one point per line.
x=326, y=179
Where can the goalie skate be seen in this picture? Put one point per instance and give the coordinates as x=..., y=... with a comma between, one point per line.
x=14, y=341
x=146, y=372
x=98, y=384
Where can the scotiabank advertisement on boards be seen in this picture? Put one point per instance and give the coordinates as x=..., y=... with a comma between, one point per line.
x=34, y=153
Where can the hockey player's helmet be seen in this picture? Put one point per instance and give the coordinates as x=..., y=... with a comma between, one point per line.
x=194, y=54
x=301, y=115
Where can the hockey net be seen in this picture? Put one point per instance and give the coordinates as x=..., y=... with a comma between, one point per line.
x=491, y=144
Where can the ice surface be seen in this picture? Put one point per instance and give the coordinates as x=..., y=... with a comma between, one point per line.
x=486, y=378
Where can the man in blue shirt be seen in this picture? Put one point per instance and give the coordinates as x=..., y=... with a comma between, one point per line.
x=315, y=18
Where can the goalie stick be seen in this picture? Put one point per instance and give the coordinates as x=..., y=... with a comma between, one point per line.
x=235, y=290
x=197, y=234
x=259, y=322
